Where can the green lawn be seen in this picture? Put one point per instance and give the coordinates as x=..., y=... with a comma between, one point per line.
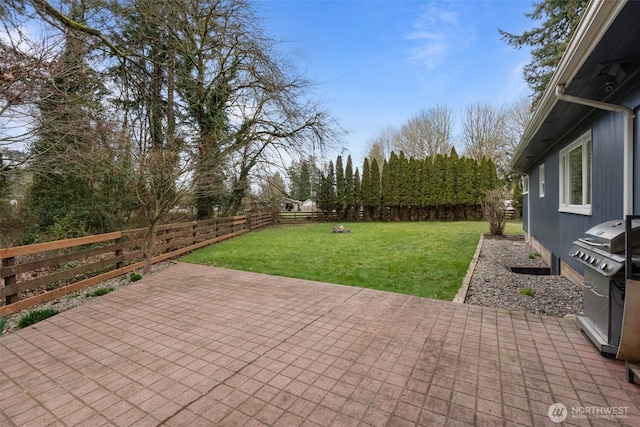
x=427, y=259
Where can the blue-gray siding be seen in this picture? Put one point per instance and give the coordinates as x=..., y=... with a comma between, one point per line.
x=556, y=230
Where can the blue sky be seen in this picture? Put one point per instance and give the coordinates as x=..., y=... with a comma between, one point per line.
x=376, y=63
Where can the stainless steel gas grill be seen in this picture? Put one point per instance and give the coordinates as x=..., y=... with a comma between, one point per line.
x=602, y=251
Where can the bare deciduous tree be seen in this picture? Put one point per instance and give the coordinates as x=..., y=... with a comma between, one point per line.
x=197, y=97
x=381, y=145
x=426, y=134
x=243, y=101
x=26, y=64
x=272, y=190
x=518, y=115
x=484, y=132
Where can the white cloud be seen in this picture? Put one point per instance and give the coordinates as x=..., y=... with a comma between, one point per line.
x=435, y=34
x=517, y=84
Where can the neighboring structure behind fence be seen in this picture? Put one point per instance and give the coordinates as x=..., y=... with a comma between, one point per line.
x=297, y=217
x=34, y=274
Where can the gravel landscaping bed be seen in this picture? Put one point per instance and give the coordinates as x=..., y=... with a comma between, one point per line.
x=493, y=284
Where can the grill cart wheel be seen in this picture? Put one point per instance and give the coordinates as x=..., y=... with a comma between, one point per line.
x=633, y=370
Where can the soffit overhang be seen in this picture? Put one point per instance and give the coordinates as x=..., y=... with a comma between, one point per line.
x=602, y=63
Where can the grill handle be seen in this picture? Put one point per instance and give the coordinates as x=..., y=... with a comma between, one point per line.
x=593, y=290
x=590, y=243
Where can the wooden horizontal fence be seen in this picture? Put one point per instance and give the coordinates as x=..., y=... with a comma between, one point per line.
x=293, y=217
x=37, y=273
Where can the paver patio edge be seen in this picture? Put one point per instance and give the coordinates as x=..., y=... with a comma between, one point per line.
x=462, y=292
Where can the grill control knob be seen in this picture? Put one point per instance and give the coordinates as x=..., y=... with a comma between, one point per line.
x=577, y=254
x=594, y=261
x=604, y=266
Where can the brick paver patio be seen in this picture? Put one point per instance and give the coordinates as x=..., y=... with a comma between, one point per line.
x=203, y=346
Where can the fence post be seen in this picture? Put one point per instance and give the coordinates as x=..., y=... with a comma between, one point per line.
x=119, y=251
x=247, y=221
x=194, y=233
x=10, y=280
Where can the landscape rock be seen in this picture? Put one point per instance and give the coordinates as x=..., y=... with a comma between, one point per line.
x=341, y=229
x=493, y=284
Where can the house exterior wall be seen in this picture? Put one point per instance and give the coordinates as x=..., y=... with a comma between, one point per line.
x=635, y=101
x=554, y=230
x=525, y=213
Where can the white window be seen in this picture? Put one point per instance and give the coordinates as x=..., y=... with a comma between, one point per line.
x=525, y=184
x=575, y=176
x=541, y=179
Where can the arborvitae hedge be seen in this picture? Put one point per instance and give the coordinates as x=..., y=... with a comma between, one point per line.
x=349, y=205
x=357, y=195
x=366, y=191
x=341, y=202
x=445, y=187
x=376, y=188
x=327, y=192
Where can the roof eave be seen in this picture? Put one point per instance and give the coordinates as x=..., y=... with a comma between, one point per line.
x=595, y=22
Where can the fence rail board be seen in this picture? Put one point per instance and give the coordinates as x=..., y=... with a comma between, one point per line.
x=58, y=244
x=64, y=290
x=58, y=276
x=20, y=272
x=60, y=259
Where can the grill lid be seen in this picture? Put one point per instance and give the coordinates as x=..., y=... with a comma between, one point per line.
x=609, y=235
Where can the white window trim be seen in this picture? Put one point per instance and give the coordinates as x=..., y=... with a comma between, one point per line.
x=584, y=209
x=541, y=180
x=525, y=184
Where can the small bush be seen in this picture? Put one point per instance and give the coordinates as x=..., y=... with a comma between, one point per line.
x=36, y=316
x=134, y=277
x=3, y=323
x=528, y=292
x=99, y=292
x=494, y=211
